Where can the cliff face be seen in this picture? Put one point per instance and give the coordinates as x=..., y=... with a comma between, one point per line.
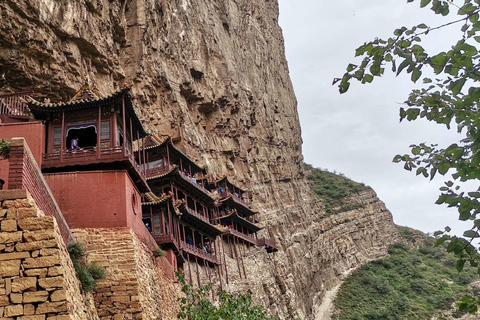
x=214, y=74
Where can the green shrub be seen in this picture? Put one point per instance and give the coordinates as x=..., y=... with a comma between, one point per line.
x=159, y=253
x=87, y=273
x=4, y=149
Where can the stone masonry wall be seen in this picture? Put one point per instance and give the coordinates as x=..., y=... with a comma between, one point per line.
x=37, y=278
x=135, y=287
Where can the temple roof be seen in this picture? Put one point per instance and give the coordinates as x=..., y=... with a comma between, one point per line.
x=229, y=183
x=153, y=141
x=241, y=207
x=183, y=183
x=196, y=222
x=240, y=220
x=87, y=98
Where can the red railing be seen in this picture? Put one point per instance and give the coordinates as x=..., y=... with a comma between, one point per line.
x=200, y=253
x=158, y=171
x=190, y=180
x=165, y=239
x=24, y=173
x=196, y=214
x=11, y=104
x=86, y=155
x=235, y=197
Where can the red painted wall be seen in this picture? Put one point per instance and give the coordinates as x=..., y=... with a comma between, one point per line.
x=34, y=134
x=97, y=199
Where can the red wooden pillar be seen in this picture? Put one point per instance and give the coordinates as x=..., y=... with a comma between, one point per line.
x=64, y=138
x=124, y=126
x=99, y=130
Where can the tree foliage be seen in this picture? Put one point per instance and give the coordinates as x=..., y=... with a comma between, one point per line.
x=451, y=98
x=195, y=305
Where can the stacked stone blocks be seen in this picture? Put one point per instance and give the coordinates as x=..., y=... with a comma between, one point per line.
x=32, y=282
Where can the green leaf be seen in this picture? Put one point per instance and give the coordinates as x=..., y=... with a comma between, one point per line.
x=424, y=3
x=460, y=265
x=416, y=74
x=457, y=86
x=471, y=234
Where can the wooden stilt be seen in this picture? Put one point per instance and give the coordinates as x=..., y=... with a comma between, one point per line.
x=189, y=269
x=224, y=260
x=198, y=274
x=237, y=258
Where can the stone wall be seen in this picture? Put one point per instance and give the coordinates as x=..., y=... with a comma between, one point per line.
x=37, y=278
x=135, y=286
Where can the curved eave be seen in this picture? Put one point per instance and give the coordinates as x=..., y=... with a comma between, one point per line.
x=157, y=143
x=198, y=223
x=230, y=200
x=231, y=184
x=236, y=218
x=169, y=173
x=153, y=199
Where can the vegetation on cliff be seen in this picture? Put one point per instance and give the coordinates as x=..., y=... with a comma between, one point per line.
x=196, y=305
x=333, y=188
x=409, y=283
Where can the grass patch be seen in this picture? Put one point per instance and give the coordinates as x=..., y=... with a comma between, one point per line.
x=87, y=273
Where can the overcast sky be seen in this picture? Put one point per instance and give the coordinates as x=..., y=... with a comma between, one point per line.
x=358, y=133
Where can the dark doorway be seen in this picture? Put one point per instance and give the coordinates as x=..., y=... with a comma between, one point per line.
x=87, y=136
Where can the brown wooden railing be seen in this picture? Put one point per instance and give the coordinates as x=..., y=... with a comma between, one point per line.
x=267, y=243
x=165, y=239
x=190, y=180
x=196, y=214
x=158, y=171
x=241, y=235
x=236, y=198
x=11, y=104
x=188, y=248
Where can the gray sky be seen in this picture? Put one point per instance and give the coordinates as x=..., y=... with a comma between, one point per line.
x=358, y=133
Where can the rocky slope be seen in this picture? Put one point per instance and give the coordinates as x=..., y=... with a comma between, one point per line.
x=214, y=74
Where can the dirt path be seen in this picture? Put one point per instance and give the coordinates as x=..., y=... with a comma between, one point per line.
x=324, y=310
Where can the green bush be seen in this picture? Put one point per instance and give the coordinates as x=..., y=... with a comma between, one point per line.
x=159, y=253
x=87, y=273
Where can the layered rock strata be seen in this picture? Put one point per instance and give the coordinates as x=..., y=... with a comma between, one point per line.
x=213, y=75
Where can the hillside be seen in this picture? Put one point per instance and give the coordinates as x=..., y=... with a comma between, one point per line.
x=409, y=283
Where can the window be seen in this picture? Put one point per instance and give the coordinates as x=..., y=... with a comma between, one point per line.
x=57, y=136
x=105, y=130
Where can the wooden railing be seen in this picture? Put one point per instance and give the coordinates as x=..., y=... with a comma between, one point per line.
x=188, y=248
x=235, y=197
x=267, y=243
x=11, y=104
x=190, y=180
x=196, y=214
x=161, y=238
x=158, y=171
x=241, y=235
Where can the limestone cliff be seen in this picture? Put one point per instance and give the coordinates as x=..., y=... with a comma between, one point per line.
x=214, y=74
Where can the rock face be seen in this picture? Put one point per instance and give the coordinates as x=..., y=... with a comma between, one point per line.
x=213, y=75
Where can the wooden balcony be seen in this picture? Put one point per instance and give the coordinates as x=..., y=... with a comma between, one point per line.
x=91, y=156
x=199, y=253
x=269, y=244
x=246, y=237
x=167, y=240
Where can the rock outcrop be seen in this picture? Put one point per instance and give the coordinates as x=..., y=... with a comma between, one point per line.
x=213, y=75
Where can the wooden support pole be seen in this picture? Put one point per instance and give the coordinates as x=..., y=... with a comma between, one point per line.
x=124, y=126
x=99, y=131
x=64, y=138
x=224, y=259
x=198, y=273
x=189, y=269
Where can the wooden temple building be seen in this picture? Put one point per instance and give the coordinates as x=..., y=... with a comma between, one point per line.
x=106, y=170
